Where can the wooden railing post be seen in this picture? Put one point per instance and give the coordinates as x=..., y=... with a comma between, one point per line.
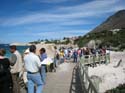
x=89, y=86
x=85, y=80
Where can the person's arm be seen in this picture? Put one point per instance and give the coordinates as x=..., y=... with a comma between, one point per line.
x=13, y=59
x=38, y=61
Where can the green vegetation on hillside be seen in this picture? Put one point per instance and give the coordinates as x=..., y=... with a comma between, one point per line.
x=114, y=39
x=119, y=89
x=46, y=41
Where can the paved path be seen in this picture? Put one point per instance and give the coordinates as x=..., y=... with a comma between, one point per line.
x=64, y=80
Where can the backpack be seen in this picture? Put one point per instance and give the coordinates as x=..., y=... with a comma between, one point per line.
x=2, y=71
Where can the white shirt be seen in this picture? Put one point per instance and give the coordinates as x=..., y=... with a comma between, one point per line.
x=32, y=62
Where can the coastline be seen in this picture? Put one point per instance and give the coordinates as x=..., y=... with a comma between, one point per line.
x=20, y=44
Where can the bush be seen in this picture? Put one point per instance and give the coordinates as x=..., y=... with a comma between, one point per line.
x=107, y=37
x=119, y=89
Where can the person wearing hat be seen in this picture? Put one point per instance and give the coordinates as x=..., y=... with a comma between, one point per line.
x=32, y=65
x=16, y=67
x=24, y=73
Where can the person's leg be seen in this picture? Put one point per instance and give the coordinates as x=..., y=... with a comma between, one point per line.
x=37, y=79
x=51, y=67
x=18, y=84
x=73, y=59
x=43, y=74
x=76, y=59
x=60, y=60
x=16, y=88
x=63, y=59
x=30, y=83
x=57, y=63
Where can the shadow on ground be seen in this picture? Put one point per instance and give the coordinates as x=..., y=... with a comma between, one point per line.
x=75, y=86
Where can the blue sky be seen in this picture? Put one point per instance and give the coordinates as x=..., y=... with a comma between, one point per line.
x=29, y=20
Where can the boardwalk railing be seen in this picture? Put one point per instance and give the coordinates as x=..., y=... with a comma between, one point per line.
x=95, y=59
x=87, y=83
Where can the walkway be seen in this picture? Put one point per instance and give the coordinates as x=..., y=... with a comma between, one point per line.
x=64, y=80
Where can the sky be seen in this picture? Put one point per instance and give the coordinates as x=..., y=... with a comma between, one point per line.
x=30, y=20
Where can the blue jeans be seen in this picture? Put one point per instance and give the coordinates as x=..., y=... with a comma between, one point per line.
x=75, y=59
x=61, y=60
x=43, y=73
x=56, y=62
x=32, y=80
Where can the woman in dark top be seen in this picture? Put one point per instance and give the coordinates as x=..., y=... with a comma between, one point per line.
x=5, y=75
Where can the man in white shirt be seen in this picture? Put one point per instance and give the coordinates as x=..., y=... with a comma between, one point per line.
x=32, y=65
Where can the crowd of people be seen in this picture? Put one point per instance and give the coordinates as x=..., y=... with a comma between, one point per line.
x=76, y=53
x=12, y=68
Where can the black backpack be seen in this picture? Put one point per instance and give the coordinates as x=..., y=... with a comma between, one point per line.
x=2, y=71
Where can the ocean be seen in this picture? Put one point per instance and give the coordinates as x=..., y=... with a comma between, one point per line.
x=21, y=49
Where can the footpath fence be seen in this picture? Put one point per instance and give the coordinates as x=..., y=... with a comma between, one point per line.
x=89, y=85
x=92, y=60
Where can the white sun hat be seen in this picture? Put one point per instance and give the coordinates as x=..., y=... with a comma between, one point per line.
x=26, y=51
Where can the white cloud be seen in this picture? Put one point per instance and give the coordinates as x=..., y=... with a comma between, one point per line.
x=76, y=22
x=51, y=1
x=60, y=34
x=69, y=15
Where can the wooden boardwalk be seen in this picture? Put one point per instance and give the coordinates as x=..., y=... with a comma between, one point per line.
x=64, y=80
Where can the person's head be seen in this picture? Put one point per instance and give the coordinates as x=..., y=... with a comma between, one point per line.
x=32, y=48
x=55, y=47
x=12, y=48
x=42, y=50
x=2, y=52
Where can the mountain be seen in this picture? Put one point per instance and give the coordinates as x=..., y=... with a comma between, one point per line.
x=116, y=21
x=109, y=33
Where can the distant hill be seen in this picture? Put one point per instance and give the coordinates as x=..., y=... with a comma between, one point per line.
x=116, y=21
x=109, y=33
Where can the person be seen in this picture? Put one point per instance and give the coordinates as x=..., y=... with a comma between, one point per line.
x=5, y=75
x=66, y=53
x=56, y=57
x=16, y=67
x=75, y=55
x=61, y=56
x=32, y=65
x=43, y=56
x=26, y=52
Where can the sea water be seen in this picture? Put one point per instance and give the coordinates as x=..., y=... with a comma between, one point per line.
x=21, y=49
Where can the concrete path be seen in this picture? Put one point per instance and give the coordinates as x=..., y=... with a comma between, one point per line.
x=64, y=80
